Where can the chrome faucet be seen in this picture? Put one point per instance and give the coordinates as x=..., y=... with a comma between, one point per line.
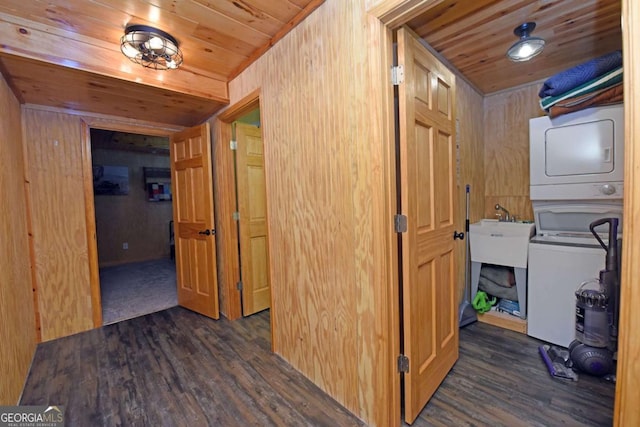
x=507, y=215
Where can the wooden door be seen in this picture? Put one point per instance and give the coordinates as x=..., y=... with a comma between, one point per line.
x=427, y=186
x=252, y=208
x=193, y=221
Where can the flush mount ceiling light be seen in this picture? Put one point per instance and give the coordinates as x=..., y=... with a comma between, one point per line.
x=150, y=47
x=527, y=47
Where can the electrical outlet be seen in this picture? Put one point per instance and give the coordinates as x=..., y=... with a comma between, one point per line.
x=125, y=245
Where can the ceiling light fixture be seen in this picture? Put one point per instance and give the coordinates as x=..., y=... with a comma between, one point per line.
x=150, y=47
x=527, y=47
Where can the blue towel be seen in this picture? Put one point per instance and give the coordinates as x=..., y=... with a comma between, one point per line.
x=609, y=79
x=580, y=74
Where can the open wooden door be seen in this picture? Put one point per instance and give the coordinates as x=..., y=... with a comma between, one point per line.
x=427, y=186
x=252, y=208
x=193, y=221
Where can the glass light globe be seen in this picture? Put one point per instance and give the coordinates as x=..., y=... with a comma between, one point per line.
x=129, y=51
x=155, y=43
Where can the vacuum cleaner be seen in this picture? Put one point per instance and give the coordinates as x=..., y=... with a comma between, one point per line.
x=597, y=308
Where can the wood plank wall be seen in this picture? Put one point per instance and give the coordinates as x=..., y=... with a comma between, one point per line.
x=506, y=155
x=17, y=317
x=328, y=199
x=57, y=208
x=469, y=111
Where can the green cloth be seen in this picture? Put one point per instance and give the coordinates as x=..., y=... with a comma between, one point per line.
x=482, y=303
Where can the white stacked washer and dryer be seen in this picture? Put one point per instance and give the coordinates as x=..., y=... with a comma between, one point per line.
x=576, y=170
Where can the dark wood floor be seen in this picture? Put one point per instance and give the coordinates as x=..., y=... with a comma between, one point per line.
x=500, y=380
x=177, y=368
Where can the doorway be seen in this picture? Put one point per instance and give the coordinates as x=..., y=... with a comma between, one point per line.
x=226, y=203
x=133, y=216
x=251, y=208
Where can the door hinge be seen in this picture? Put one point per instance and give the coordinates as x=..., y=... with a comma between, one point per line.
x=400, y=223
x=233, y=144
x=239, y=285
x=397, y=75
x=403, y=364
x=236, y=216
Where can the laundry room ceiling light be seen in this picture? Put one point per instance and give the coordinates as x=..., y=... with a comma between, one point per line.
x=527, y=47
x=150, y=47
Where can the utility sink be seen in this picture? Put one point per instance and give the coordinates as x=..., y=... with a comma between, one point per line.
x=502, y=243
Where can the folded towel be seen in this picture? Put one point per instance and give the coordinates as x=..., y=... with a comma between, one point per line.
x=496, y=290
x=580, y=74
x=576, y=100
x=499, y=274
x=609, y=79
x=608, y=96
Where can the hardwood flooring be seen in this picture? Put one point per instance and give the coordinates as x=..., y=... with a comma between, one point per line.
x=176, y=368
x=500, y=380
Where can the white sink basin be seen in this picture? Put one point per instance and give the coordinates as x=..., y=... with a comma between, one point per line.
x=501, y=243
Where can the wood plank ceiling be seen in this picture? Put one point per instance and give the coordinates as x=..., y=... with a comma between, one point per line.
x=66, y=53
x=473, y=36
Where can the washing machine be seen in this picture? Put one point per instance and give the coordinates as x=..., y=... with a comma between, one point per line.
x=557, y=267
x=562, y=255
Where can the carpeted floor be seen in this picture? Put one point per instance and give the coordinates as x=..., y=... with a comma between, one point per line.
x=132, y=290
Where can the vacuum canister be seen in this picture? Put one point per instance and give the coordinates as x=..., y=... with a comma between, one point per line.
x=592, y=321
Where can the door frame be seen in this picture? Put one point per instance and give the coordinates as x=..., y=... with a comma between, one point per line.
x=225, y=201
x=387, y=16
x=628, y=377
x=112, y=124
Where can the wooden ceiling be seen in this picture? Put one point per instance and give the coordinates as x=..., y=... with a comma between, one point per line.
x=474, y=35
x=66, y=53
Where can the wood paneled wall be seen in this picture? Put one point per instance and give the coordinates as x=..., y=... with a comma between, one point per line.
x=17, y=317
x=131, y=218
x=506, y=155
x=57, y=209
x=470, y=115
x=324, y=91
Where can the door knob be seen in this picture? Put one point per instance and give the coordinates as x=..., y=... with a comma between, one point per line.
x=457, y=235
x=207, y=232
